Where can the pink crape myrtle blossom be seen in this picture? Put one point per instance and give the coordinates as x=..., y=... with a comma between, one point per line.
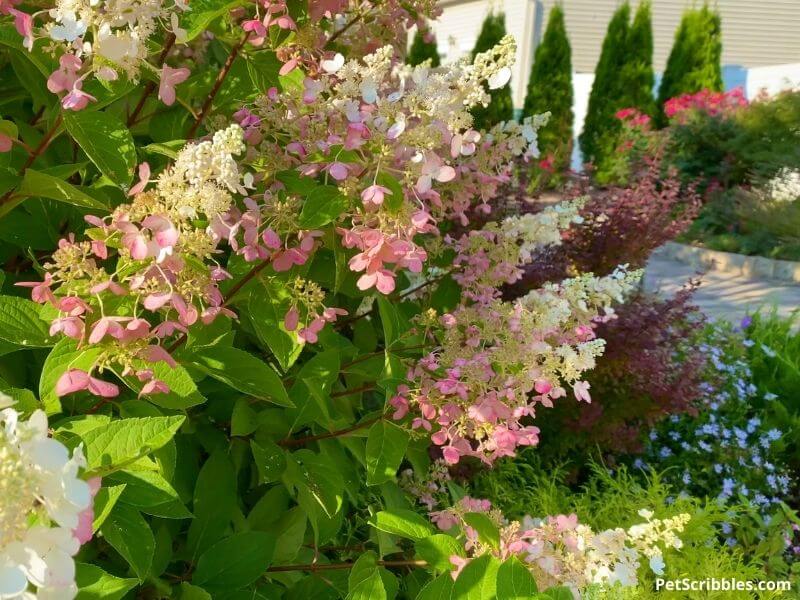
x=77, y=99
x=171, y=278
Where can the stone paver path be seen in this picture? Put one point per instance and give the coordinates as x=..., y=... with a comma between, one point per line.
x=721, y=295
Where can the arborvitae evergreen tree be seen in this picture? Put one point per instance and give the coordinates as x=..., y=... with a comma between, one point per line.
x=421, y=50
x=606, y=90
x=637, y=73
x=694, y=62
x=634, y=90
x=501, y=107
x=550, y=89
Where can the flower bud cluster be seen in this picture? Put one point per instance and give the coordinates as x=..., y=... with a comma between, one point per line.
x=397, y=141
x=165, y=277
x=493, y=256
x=496, y=362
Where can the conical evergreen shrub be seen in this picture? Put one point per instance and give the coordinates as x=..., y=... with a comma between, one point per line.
x=604, y=98
x=501, y=107
x=694, y=62
x=422, y=50
x=550, y=89
x=637, y=79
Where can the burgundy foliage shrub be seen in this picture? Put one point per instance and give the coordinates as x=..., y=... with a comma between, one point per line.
x=622, y=225
x=652, y=368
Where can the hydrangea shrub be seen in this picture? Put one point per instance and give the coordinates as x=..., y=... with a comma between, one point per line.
x=249, y=306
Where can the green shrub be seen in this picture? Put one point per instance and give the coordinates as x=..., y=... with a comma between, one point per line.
x=605, y=95
x=694, y=62
x=550, y=89
x=631, y=90
x=501, y=106
x=636, y=77
x=422, y=50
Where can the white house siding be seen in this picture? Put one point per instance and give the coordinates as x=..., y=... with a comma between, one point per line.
x=754, y=34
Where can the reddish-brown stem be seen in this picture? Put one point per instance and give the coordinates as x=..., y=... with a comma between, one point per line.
x=356, y=548
x=348, y=565
x=326, y=436
x=37, y=116
x=366, y=357
x=223, y=73
x=97, y=406
x=358, y=390
x=150, y=86
x=37, y=152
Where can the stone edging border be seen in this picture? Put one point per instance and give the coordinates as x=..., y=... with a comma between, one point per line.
x=750, y=267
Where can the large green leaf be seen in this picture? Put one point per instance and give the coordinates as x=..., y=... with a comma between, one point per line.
x=192, y=592
x=364, y=582
x=130, y=535
x=557, y=593
x=393, y=323
x=478, y=580
x=151, y=493
x=42, y=185
x=405, y=523
x=266, y=306
x=64, y=355
x=515, y=581
x=263, y=67
x=104, y=502
x=122, y=442
x=437, y=549
x=95, y=584
x=386, y=446
x=20, y=323
x=487, y=531
x=290, y=532
x=270, y=460
x=242, y=371
x=322, y=479
x=322, y=205
x=440, y=588
x=311, y=390
x=182, y=393
x=214, y=503
x=234, y=562
x=106, y=141
x=203, y=13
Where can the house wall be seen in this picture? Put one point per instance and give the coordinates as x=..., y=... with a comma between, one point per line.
x=754, y=34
